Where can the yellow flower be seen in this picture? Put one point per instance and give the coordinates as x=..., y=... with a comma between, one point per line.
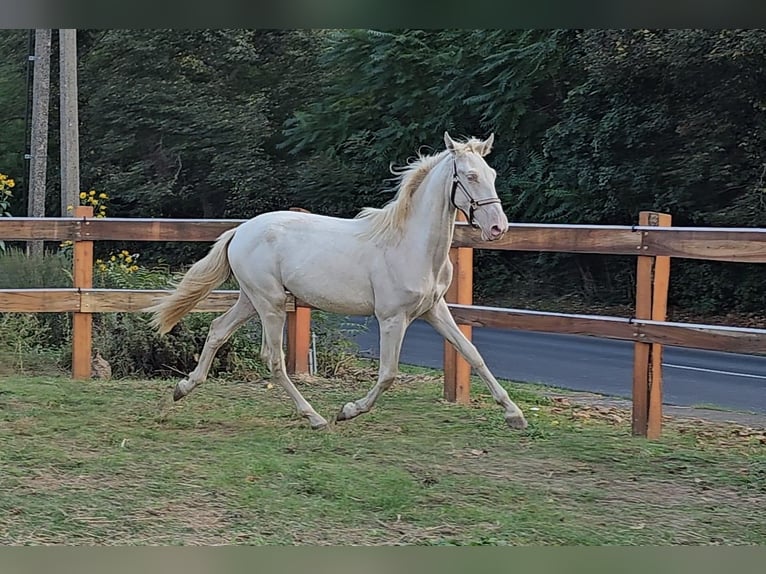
x=102, y=267
x=83, y=195
x=98, y=261
x=112, y=258
x=69, y=208
x=124, y=252
x=10, y=183
x=134, y=268
x=128, y=259
x=3, y=177
x=103, y=196
x=92, y=192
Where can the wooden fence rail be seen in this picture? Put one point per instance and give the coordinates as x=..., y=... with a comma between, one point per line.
x=690, y=335
x=653, y=241
x=745, y=245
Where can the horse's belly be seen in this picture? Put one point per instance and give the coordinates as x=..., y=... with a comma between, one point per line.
x=332, y=284
x=332, y=296
x=333, y=305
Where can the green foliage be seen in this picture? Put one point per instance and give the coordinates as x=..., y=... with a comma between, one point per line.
x=21, y=335
x=44, y=271
x=52, y=269
x=13, y=63
x=335, y=352
x=666, y=120
x=177, y=127
x=133, y=348
x=386, y=94
x=6, y=194
x=592, y=126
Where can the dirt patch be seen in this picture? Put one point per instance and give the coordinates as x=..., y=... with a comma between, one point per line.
x=49, y=480
x=623, y=408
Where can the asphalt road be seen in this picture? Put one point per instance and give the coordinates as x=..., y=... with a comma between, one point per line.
x=691, y=377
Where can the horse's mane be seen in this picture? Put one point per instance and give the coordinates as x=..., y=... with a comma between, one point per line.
x=387, y=222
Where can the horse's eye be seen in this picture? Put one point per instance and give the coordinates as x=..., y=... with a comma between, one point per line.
x=472, y=177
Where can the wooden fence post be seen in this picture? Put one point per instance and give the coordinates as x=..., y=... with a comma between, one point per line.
x=457, y=371
x=82, y=323
x=298, y=334
x=298, y=340
x=652, y=282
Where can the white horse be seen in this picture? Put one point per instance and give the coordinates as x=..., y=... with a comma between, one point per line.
x=392, y=262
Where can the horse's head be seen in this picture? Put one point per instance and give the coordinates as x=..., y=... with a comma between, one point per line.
x=473, y=186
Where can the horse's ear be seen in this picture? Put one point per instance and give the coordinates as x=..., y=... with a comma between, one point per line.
x=448, y=142
x=486, y=146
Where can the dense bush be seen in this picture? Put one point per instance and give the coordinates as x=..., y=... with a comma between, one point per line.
x=127, y=340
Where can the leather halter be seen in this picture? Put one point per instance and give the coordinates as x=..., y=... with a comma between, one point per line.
x=473, y=203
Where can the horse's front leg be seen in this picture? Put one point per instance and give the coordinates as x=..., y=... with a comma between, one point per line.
x=441, y=319
x=392, y=331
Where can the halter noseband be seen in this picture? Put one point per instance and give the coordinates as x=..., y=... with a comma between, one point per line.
x=472, y=203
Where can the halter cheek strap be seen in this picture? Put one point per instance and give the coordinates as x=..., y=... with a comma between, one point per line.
x=472, y=203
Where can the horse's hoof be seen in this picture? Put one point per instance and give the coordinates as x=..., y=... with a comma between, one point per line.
x=178, y=392
x=516, y=421
x=347, y=412
x=319, y=425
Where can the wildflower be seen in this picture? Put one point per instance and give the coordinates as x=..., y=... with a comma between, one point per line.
x=112, y=258
x=83, y=195
x=103, y=196
x=69, y=208
x=134, y=268
x=92, y=192
x=128, y=259
x=10, y=183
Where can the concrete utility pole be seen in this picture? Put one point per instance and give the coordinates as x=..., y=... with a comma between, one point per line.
x=70, y=139
x=38, y=164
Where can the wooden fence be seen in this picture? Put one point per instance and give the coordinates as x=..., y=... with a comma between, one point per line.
x=653, y=241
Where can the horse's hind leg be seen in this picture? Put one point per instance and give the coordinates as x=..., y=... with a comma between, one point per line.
x=392, y=331
x=220, y=330
x=264, y=354
x=273, y=322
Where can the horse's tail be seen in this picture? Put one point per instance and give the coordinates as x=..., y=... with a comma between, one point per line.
x=204, y=276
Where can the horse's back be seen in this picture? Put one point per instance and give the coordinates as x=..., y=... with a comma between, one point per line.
x=320, y=259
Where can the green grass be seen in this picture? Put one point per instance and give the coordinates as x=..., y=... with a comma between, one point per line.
x=118, y=463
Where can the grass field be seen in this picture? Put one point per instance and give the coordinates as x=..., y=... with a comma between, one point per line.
x=117, y=463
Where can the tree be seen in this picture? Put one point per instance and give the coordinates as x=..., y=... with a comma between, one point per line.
x=13, y=62
x=171, y=123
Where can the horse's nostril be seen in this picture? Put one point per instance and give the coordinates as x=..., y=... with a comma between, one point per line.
x=496, y=231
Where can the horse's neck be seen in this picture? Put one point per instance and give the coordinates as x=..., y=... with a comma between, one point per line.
x=431, y=225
